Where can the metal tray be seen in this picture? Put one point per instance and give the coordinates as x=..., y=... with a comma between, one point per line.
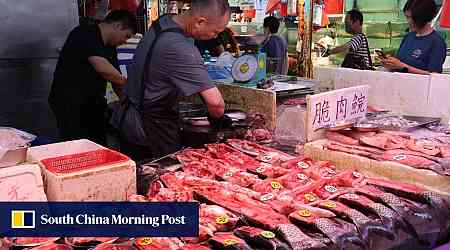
x=420, y=120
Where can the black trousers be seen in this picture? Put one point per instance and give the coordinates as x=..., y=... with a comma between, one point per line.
x=81, y=121
x=164, y=138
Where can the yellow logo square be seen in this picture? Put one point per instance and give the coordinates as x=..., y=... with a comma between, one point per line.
x=22, y=219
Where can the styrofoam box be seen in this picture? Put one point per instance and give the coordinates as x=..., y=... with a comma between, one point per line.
x=36, y=154
x=22, y=183
x=108, y=183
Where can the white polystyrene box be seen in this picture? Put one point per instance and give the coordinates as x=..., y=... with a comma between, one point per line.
x=114, y=182
x=22, y=183
x=36, y=154
x=110, y=183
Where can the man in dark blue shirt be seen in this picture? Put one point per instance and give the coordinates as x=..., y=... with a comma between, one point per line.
x=423, y=50
x=275, y=47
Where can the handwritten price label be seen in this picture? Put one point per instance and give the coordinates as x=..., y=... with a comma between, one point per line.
x=276, y=185
x=268, y=235
x=310, y=197
x=304, y=213
x=336, y=107
x=230, y=242
x=330, y=204
x=144, y=241
x=222, y=219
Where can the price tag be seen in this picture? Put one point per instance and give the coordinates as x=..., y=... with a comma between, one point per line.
x=230, y=242
x=331, y=171
x=356, y=174
x=302, y=177
x=303, y=165
x=144, y=241
x=222, y=219
x=276, y=185
x=310, y=197
x=351, y=196
x=267, y=158
x=342, y=106
x=304, y=213
x=331, y=189
x=268, y=235
x=267, y=197
x=330, y=204
x=228, y=174
x=260, y=170
x=399, y=157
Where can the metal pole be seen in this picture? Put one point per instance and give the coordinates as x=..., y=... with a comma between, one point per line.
x=309, y=65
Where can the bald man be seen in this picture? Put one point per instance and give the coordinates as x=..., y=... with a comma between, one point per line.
x=176, y=69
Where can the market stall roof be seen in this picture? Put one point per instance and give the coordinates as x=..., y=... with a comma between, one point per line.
x=272, y=5
x=445, y=17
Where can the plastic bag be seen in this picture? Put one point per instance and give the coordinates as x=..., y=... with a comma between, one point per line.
x=219, y=74
x=11, y=138
x=290, y=129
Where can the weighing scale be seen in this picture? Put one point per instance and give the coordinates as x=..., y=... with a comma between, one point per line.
x=249, y=69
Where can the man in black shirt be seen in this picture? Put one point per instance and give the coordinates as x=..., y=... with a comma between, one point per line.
x=87, y=61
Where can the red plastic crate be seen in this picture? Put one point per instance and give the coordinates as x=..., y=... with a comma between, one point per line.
x=88, y=160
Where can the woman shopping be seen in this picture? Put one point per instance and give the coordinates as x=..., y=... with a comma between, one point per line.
x=422, y=50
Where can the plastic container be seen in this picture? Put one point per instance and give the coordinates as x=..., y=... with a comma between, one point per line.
x=13, y=146
x=13, y=157
x=36, y=154
x=100, y=175
x=22, y=183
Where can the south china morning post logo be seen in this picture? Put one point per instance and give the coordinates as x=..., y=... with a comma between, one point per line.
x=23, y=219
x=105, y=219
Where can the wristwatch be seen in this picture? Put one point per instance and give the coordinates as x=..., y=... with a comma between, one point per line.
x=404, y=70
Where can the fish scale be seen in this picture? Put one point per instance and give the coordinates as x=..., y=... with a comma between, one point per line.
x=357, y=216
x=393, y=201
x=383, y=210
x=326, y=226
x=297, y=239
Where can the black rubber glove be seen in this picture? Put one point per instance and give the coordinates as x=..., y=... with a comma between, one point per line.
x=220, y=123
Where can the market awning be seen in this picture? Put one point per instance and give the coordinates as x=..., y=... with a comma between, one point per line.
x=445, y=16
x=272, y=5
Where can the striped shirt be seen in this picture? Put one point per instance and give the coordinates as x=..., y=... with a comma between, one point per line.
x=359, y=47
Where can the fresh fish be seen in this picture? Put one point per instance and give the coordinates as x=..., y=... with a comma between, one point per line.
x=412, y=192
x=337, y=137
x=260, y=239
x=389, y=217
x=335, y=231
x=262, y=153
x=195, y=247
x=415, y=161
x=364, y=224
x=297, y=239
x=424, y=146
x=228, y=241
x=409, y=211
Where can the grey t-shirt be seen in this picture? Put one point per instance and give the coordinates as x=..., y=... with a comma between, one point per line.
x=176, y=69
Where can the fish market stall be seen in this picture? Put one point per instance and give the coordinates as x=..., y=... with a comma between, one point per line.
x=251, y=197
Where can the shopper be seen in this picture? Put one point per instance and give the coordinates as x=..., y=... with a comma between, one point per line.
x=422, y=50
x=225, y=41
x=275, y=47
x=87, y=61
x=357, y=49
x=171, y=66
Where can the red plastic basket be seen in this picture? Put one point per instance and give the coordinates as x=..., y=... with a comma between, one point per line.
x=88, y=160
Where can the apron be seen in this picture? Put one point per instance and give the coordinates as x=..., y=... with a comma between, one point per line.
x=164, y=134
